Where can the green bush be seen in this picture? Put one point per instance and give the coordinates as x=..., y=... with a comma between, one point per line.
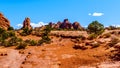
x=13, y=41
x=96, y=27
x=33, y=43
x=27, y=41
x=26, y=31
x=21, y=45
x=4, y=35
x=2, y=30
x=45, y=35
x=4, y=43
x=11, y=33
x=10, y=28
x=47, y=40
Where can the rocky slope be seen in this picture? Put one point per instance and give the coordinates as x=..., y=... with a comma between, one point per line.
x=4, y=22
x=60, y=53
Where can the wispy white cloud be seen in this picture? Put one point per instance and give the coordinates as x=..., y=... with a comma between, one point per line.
x=19, y=25
x=39, y=24
x=96, y=14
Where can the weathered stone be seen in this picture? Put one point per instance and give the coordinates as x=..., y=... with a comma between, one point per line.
x=79, y=46
x=76, y=26
x=26, y=23
x=117, y=46
x=57, y=26
x=66, y=24
x=4, y=22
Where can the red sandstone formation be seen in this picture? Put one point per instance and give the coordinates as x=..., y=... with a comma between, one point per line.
x=26, y=23
x=4, y=22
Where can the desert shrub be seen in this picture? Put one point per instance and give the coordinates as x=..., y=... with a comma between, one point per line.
x=26, y=31
x=2, y=30
x=10, y=28
x=11, y=33
x=45, y=35
x=33, y=43
x=14, y=41
x=92, y=36
x=96, y=28
x=27, y=40
x=3, y=42
x=10, y=42
x=44, y=39
x=113, y=41
x=4, y=35
x=21, y=45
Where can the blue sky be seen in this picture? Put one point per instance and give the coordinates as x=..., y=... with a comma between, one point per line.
x=45, y=11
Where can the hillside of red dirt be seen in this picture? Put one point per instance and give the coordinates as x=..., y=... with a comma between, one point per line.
x=62, y=53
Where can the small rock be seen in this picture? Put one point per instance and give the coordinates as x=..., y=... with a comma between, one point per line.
x=1, y=54
x=117, y=46
x=78, y=46
x=23, y=62
x=5, y=54
x=29, y=53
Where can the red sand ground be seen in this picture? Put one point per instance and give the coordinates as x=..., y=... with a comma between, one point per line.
x=58, y=54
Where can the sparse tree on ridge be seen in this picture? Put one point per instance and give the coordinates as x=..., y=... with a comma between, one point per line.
x=95, y=27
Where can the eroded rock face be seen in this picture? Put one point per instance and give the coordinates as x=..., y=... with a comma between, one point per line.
x=4, y=22
x=76, y=25
x=57, y=26
x=26, y=23
x=66, y=24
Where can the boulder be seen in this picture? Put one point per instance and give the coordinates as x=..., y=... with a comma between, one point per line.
x=66, y=24
x=79, y=46
x=57, y=26
x=4, y=22
x=26, y=23
x=76, y=26
x=52, y=25
x=117, y=46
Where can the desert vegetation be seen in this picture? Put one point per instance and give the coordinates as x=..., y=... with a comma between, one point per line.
x=45, y=35
x=61, y=44
x=95, y=28
x=26, y=31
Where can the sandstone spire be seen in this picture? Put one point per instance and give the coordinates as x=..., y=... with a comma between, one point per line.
x=26, y=23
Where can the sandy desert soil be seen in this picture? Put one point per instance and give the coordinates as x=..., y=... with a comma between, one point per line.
x=58, y=54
